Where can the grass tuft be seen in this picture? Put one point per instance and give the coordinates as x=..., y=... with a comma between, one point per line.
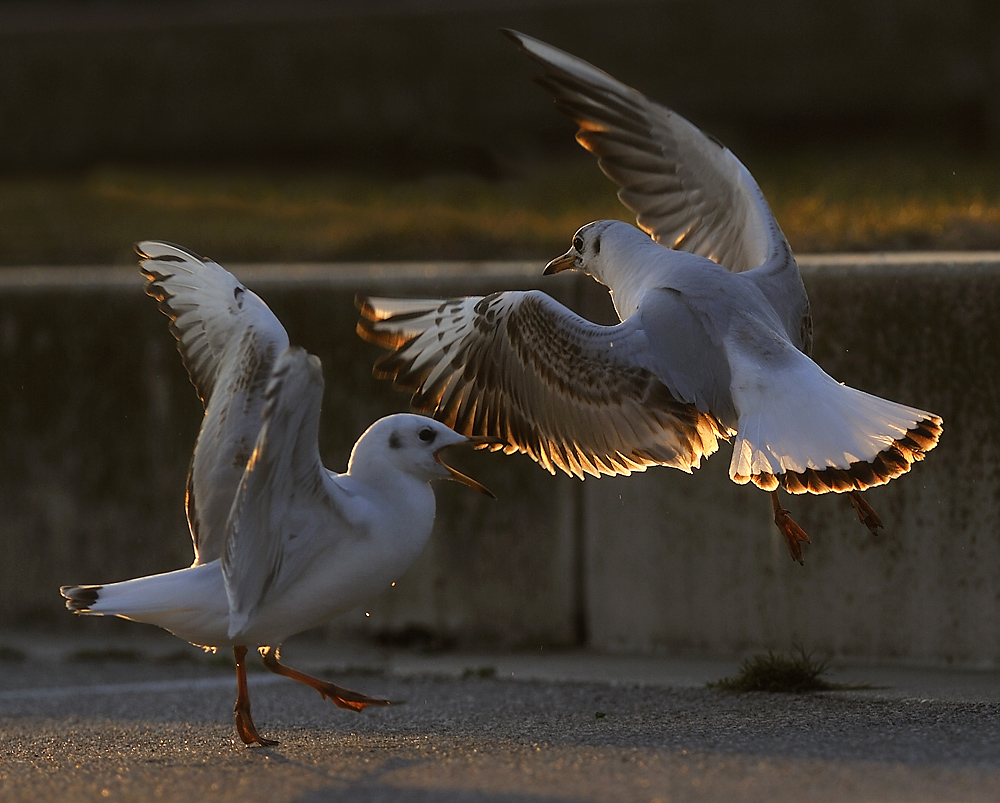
x=797, y=673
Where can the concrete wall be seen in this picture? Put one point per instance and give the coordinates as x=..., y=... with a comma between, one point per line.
x=693, y=564
x=99, y=419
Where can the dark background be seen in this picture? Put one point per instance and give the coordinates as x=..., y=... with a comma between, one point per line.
x=414, y=87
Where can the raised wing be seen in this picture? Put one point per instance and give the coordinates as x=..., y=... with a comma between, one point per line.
x=228, y=340
x=571, y=394
x=283, y=505
x=687, y=190
x=209, y=309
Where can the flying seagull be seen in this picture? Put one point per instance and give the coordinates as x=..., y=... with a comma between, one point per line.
x=296, y=544
x=712, y=343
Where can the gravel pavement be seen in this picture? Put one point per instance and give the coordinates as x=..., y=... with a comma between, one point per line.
x=510, y=728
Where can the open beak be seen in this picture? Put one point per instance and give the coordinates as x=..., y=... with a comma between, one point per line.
x=567, y=261
x=475, y=441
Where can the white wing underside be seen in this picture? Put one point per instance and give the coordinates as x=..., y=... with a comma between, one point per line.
x=285, y=504
x=228, y=340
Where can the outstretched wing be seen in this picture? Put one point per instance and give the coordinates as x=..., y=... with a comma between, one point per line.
x=687, y=190
x=520, y=366
x=228, y=340
x=284, y=504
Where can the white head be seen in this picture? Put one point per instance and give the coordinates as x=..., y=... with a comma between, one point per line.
x=412, y=445
x=617, y=255
x=598, y=250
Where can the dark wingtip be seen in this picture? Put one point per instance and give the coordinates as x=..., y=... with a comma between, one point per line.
x=79, y=599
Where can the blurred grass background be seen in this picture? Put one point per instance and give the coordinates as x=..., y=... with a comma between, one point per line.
x=857, y=201
x=392, y=130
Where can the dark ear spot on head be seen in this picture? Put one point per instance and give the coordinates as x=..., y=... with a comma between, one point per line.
x=597, y=245
x=394, y=441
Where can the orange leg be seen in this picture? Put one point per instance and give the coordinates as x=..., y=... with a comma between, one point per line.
x=245, y=728
x=339, y=696
x=866, y=515
x=794, y=535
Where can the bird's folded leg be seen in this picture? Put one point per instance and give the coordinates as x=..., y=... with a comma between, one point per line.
x=338, y=695
x=245, y=728
x=866, y=515
x=794, y=535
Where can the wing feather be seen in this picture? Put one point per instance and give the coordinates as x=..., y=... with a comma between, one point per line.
x=283, y=496
x=522, y=367
x=686, y=189
x=228, y=340
x=208, y=308
x=634, y=137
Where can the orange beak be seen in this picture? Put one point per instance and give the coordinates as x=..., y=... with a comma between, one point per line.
x=567, y=261
x=474, y=441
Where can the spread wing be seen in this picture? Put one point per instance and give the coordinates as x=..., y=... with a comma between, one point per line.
x=520, y=366
x=228, y=340
x=284, y=509
x=687, y=190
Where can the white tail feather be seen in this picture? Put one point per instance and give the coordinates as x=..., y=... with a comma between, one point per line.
x=803, y=419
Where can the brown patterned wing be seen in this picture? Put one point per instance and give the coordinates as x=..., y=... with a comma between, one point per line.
x=519, y=366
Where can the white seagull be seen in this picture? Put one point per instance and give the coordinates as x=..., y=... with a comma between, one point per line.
x=712, y=342
x=295, y=544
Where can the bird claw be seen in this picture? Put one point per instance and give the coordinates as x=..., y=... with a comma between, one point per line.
x=866, y=515
x=245, y=728
x=351, y=700
x=247, y=731
x=794, y=535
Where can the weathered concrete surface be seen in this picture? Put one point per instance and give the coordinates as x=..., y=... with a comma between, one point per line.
x=100, y=419
x=559, y=727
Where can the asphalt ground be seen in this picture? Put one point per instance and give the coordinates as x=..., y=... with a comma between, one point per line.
x=506, y=727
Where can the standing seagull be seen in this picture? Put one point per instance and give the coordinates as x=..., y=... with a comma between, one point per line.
x=298, y=544
x=713, y=340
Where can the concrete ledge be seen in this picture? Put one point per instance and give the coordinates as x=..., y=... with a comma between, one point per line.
x=100, y=419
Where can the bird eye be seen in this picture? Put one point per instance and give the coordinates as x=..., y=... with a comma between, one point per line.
x=578, y=243
x=426, y=434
